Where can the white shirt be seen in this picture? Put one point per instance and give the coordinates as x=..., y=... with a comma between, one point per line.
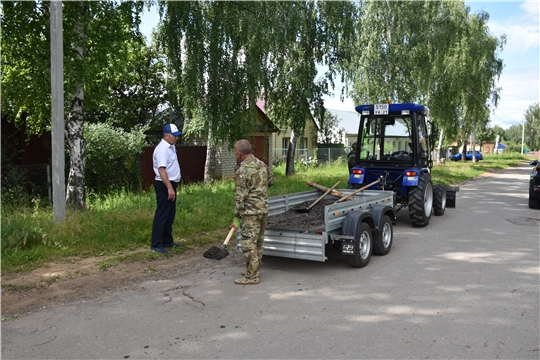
x=165, y=156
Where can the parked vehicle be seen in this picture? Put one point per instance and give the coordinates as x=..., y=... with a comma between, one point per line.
x=357, y=228
x=395, y=141
x=534, y=185
x=468, y=156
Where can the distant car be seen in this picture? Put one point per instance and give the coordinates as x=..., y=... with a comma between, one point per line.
x=468, y=156
x=534, y=185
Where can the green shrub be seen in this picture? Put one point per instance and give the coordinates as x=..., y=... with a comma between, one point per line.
x=113, y=157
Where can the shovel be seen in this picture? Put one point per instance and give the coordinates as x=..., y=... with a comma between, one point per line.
x=316, y=201
x=357, y=191
x=219, y=253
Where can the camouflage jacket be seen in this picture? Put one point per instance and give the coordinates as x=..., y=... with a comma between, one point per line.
x=252, y=180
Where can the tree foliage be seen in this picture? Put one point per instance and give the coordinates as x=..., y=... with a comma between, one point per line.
x=431, y=52
x=330, y=132
x=95, y=36
x=513, y=134
x=532, y=127
x=134, y=93
x=224, y=56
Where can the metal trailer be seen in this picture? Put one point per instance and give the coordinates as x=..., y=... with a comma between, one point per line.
x=356, y=227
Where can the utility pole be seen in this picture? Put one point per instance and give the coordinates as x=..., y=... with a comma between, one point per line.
x=57, y=105
x=473, y=150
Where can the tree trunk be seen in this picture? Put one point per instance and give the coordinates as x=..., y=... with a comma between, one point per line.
x=209, y=166
x=289, y=170
x=74, y=130
x=464, y=151
x=77, y=150
x=439, y=146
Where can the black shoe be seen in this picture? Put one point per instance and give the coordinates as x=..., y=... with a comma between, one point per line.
x=159, y=249
x=172, y=245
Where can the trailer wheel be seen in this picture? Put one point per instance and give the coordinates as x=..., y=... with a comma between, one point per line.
x=439, y=199
x=362, y=247
x=383, y=243
x=421, y=201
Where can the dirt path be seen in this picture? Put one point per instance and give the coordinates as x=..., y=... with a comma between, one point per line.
x=62, y=283
x=76, y=279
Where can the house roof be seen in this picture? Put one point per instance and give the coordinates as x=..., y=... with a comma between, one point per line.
x=349, y=120
x=268, y=125
x=261, y=105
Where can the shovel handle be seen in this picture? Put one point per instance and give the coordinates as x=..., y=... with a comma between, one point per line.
x=323, y=195
x=357, y=191
x=228, y=237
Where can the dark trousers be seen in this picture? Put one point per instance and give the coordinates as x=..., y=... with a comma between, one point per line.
x=164, y=216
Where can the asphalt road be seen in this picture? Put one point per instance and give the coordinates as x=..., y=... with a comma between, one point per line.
x=465, y=287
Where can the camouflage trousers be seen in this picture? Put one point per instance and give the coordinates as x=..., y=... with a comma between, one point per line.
x=252, y=242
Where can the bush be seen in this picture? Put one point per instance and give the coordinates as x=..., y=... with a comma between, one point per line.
x=113, y=158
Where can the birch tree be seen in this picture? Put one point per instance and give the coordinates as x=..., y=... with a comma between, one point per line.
x=431, y=52
x=223, y=56
x=92, y=32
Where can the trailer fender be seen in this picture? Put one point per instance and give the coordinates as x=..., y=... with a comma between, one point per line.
x=384, y=218
x=378, y=211
x=356, y=217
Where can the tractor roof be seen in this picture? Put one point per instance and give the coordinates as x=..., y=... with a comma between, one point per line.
x=396, y=108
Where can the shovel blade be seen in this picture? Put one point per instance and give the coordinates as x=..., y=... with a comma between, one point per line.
x=215, y=253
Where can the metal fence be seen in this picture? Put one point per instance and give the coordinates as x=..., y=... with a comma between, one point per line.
x=312, y=156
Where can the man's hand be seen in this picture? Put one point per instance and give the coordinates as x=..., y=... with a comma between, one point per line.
x=171, y=194
x=235, y=224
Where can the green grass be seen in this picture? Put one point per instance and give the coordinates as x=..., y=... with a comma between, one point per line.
x=118, y=226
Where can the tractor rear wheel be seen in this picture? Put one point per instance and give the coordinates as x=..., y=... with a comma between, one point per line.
x=439, y=199
x=421, y=201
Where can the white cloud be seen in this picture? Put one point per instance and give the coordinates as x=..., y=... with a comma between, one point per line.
x=520, y=89
x=522, y=31
x=532, y=10
x=520, y=77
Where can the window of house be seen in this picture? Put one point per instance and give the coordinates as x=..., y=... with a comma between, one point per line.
x=301, y=147
x=284, y=146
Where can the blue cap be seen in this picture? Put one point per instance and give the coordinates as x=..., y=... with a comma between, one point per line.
x=171, y=129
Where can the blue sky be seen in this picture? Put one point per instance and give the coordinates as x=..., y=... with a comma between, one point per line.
x=520, y=78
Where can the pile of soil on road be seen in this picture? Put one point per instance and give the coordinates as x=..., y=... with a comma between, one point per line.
x=293, y=220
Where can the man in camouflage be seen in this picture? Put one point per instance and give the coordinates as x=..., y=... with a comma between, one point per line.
x=252, y=179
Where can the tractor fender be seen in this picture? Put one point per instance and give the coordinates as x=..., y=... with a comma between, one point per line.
x=357, y=176
x=412, y=180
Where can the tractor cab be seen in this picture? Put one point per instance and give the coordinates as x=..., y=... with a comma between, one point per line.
x=394, y=144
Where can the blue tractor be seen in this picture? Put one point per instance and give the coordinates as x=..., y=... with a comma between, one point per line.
x=395, y=143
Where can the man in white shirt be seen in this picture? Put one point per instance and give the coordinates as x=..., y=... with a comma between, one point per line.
x=167, y=170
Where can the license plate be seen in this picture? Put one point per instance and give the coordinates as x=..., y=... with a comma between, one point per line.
x=347, y=247
x=380, y=109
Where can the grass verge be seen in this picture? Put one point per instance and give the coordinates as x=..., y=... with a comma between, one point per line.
x=119, y=225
